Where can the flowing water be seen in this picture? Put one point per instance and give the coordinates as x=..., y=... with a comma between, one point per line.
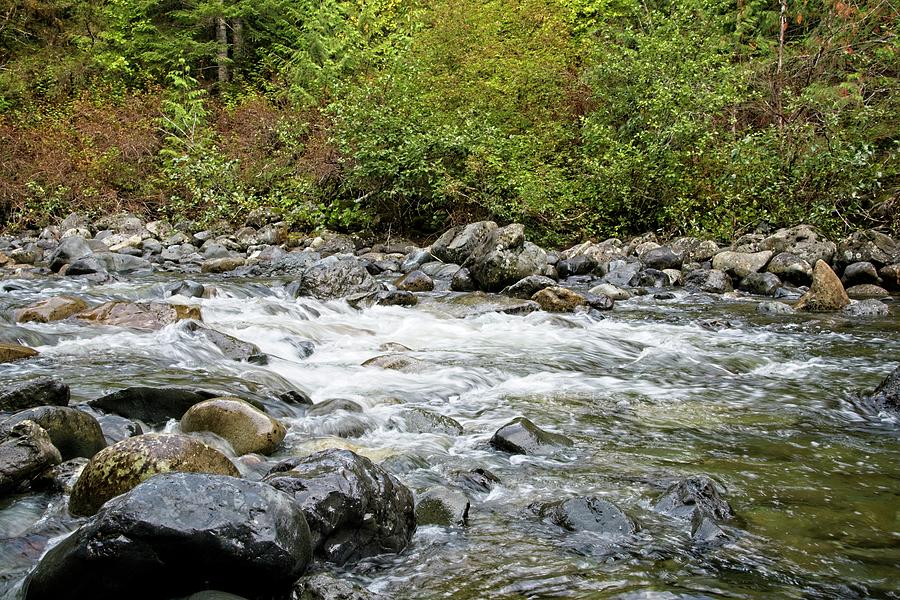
x=654, y=391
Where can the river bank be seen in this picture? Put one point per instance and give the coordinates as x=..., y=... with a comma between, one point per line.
x=690, y=433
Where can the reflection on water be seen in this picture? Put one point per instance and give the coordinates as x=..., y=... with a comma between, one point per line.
x=654, y=391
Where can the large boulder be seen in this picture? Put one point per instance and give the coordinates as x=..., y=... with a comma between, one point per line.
x=120, y=467
x=761, y=284
x=826, y=292
x=711, y=281
x=588, y=513
x=176, y=534
x=12, y=352
x=521, y=436
x=415, y=281
x=231, y=347
x=442, y=506
x=790, y=267
x=890, y=275
x=860, y=273
x=244, y=426
x=507, y=259
x=693, y=250
x=69, y=250
x=153, y=406
x=354, y=508
x=115, y=262
x=887, y=394
x=145, y=316
x=336, y=277
x=528, y=287
x=699, y=500
x=803, y=241
x=25, y=451
x=458, y=244
x=73, y=432
x=661, y=258
x=559, y=299
x=867, y=246
x=44, y=392
x=741, y=264
x=51, y=309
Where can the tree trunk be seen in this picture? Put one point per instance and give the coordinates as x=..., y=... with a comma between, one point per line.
x=779, y=76
x=222, y=52
x=237, y=39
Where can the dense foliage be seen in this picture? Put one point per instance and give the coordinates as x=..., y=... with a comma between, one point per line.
x=576, y=117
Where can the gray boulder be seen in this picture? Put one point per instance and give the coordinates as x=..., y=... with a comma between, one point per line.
x=860, y=273
x=458, y=244
x=442, y=506
x=25, y=452
x=790, y=267
x=336, y=277
x=867, y=246
x=803, y=241
x=741, y=264
x=73, y=432
x=761, y=284
x=153, y=406
x=711, y=281
x=507, y=259
x=521, y=436
x=588, y=513
x=661, y=258
x=44, y=392
x=867, y=308
x=69, y=250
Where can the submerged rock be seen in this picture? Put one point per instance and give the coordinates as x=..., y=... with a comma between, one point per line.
x=826, y=292
x=774, y=308
x=230, y=346
x=325, y=586
x=588, y=513
x=695, y=493
x=420, y=420
x=51, y=309
x=178, y=533
x=246, y=428
x=395, y=362
x=147, y=316
x=120, y=467
x=13, y=352
x=887, y=394
x=354, y=508
x=73, y=432
x=154, y=406
x=44, y=392
x=442, y=506
x=521, y=436
x=25, y=451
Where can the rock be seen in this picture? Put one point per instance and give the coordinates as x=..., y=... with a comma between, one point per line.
x=697, y=493
x=178, y=533
x=622, y=275
x=329, y=406
x=118, y=468
x=867, y=308
x=153, y=406
x=395, y=362
x=440, y=271
x=73, y=432
x=51, y=309
x=396, y=298
x=221, y=265
x=711, y=281
x=420, y=420
x=118, y=263
x=13, y=352
x=863, y=291
x=147, y=316
x=442, y=506
x=826, y=292
x=116, y=428
x=661, y=258
x=415, y=281
x=474, y=304
x=803, y=241
x=43, y=392
x=478, y=480
x=558, y=299
x=774, y=308
x=860, y=273
x=890, y=275
x=506, y=263
x=867, y=246
x=60, y=478
x=691, y=249
x=790, y=267
x=601, y=253
x=527, y=287
x=462, y=281
x=651, y=278
x=325, y=586
x=459, y=244
x=354, y=508
x=415, y=259
x=187, y=288
x=741, y=264
x=887, y=394
x=87, y=265
x=334, y=277
x=69, y=250
x=246, y=428
x=521, y=436
x=761, y=284
x=610, y=291
x=25, y=452
x=231, y=347
x=588, y=513
x=664, y=296
x=676, y=277
x=576, y=265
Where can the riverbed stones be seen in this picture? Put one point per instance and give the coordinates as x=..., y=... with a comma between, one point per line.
x=790, y=267
x=74, y=433
x=802, y=240
x=559, y=299
x=222, y=264
x=711, y=281
x=13, y=352
x=528, y=286
x=860, y=273
x=521, y=436
x=826, y=293
x=866, y=290
x=354, y=508
x=661, y=258
x=230, y=346
x=421, y=420
x=25, y=451
x=43, y=392
x=694, y=493
x=69, y=250
x=415, y=281
x=145, y=316
x=247, y=429
x=120, y=467
x=867, y=308
x=442, y=506
x=335, y=277
x=867, y=246
x=153, y=406
x=761, y=284
x=178, y=533
x=741, y=264
x=51, y=309
x=588, y=513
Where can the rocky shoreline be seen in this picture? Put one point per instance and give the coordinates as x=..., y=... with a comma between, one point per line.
x=178, y=513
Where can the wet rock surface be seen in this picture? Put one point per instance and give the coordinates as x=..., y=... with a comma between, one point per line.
x=151, y=405
x=246, y=428
x=521, y=436
x=25, y=451
x=73, y=432
x=43, y=392
x=588, y=514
